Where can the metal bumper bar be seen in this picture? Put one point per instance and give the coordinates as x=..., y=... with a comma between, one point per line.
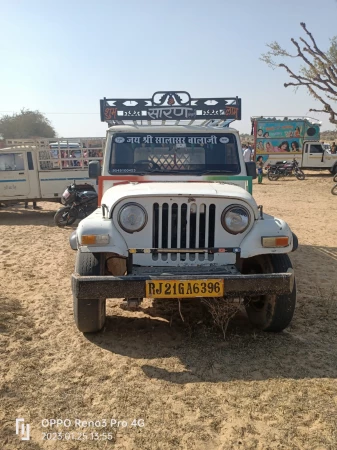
x=133, y=286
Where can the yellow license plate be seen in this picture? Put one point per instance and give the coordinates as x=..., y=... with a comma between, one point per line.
x=184, y=289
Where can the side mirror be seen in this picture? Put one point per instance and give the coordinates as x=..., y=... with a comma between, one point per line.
x=251, y=169
x=94, y=169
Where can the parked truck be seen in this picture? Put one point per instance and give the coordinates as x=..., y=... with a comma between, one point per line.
x=41, y=169
x=285, y=138
x=177, y=218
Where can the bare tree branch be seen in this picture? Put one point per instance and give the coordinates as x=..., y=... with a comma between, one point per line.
x=328, y=70
x=327, y=107
x=318, y=74
x=305, y=81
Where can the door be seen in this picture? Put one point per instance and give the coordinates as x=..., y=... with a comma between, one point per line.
x=14, y=179
x=315, y=156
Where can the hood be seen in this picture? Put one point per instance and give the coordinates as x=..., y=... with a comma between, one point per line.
x=183, y=189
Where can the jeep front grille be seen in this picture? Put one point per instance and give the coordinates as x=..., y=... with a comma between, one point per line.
x=183, y=226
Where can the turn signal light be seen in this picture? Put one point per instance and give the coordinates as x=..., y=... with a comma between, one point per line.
x=281, y=241
x=95, y=239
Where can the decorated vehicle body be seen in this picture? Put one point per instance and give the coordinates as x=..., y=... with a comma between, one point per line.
x=41, y=169
x=285, y=138
x=177, y=218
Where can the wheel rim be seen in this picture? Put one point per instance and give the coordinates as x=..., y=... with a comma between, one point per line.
x=65, y=218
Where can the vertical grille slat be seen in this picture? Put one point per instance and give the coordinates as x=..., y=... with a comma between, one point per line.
x=188, y=225
x=184, y=225
x=160, y=241
x=197, y=226
x=174, y=226
x=202, y=226
x=165, y=225
x=178, y=227
x=169, y=227
x=206, y=225
x=155, y=240
x=211, y=225
x=182, y=230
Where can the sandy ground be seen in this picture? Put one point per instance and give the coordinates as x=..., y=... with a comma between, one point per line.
x=192, y=389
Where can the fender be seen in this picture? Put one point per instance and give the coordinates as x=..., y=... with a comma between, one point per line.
x=96, y=224
x=73, y=241
x=268, y=226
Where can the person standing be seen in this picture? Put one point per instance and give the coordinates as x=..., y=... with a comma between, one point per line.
x=259, y=163
x=247, y=154
x=333, y=148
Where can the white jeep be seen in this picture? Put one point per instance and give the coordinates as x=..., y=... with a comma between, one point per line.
x=177, y=220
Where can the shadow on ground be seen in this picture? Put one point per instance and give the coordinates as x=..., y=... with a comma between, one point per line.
x=307, y=349
x=18, y=215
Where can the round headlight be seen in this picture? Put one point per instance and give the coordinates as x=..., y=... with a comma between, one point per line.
x=132, y=217
x=235, y=219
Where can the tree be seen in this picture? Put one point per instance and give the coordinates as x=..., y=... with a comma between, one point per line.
x=318, y=74
x=26, y=124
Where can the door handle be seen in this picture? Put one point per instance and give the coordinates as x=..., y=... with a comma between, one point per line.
x=21, y=173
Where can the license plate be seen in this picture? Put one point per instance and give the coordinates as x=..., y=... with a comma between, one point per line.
x=184, y=289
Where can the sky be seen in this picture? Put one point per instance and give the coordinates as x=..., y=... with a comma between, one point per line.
x=61, y=57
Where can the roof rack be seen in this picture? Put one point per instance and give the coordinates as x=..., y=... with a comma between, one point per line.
x=171, y=108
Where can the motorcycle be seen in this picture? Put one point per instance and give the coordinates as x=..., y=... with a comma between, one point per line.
x=284, y=169
x=80, y=202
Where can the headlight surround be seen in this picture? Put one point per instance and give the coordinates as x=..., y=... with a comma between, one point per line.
x=132, y=217
x=235, y=219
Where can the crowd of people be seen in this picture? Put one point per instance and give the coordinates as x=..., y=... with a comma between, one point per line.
x=73, y=158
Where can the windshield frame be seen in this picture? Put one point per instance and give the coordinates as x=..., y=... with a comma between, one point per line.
x=205, y=169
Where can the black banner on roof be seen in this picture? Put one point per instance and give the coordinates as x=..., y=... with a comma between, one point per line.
x=170, y=106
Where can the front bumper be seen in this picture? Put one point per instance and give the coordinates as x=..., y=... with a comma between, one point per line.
x=133, y=286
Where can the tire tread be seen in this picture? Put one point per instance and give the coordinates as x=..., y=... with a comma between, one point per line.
x=89, y=314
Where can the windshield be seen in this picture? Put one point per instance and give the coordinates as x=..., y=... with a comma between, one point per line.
x=174, y=154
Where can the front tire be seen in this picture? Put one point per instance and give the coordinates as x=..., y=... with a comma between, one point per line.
x=65, y=216
x=300, y=175
x=272, y=176
x=89, y=314
x=335, y=178
x=272, y=312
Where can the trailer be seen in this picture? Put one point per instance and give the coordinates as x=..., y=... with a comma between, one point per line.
x=281, y=138
x=41, y=169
